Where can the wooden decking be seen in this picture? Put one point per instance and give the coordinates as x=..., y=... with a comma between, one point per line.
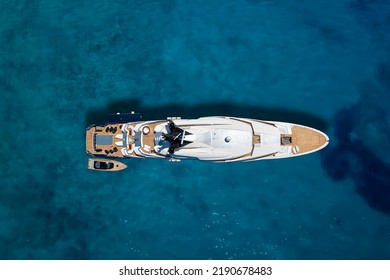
x=256, y=139
x=305, y=139
x=147, y=131
x=89, y=140
x=112, y=150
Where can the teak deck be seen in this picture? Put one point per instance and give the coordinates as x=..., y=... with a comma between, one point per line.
x=147, y=139
x=306, y=139
x=101, y=149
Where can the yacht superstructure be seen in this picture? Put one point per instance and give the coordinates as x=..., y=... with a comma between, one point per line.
x=217, y=139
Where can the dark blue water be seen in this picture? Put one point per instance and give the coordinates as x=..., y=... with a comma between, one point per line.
x=65, y=64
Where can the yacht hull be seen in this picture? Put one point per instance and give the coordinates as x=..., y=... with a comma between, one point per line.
x=216, y=139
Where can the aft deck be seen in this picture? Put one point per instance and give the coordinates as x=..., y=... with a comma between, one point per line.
x=105, y=140
x=110, y=140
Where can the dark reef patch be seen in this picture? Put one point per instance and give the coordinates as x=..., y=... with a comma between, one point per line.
x=373, y=15
x=254, y=2
x=367, y=5
x=168, y=5
x=336, y=163
x=326, y=31
x=359, y=5
x=351, y=158
x=383, y=74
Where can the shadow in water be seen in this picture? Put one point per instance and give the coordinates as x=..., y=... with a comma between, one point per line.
x=99, y=115
x=351, y=158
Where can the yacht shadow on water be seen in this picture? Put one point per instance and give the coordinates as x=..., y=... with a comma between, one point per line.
x=99, y=115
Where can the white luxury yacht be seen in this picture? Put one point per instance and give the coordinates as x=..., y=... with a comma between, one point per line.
x=217, y=139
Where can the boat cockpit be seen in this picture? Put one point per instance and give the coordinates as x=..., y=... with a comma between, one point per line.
x=176, y=137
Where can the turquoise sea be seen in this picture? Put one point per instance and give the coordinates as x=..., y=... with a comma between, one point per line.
x=323, y=63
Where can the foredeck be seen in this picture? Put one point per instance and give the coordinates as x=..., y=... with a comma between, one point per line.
x=305, y=139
